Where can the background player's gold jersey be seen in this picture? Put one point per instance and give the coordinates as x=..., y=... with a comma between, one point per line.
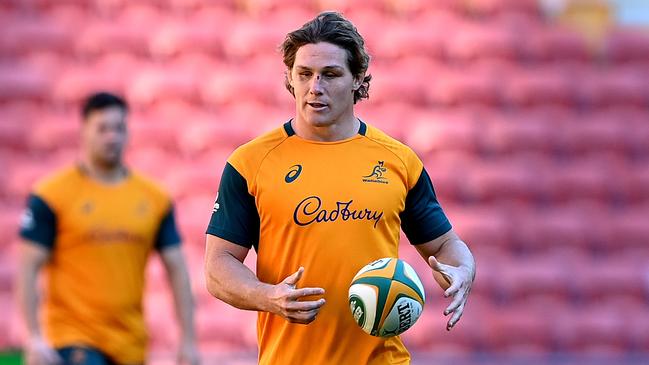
x=331, y=207
x=100, y=236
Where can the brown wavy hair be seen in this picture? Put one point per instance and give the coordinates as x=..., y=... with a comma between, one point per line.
x=330, y=27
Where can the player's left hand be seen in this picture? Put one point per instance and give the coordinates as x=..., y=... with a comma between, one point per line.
x=188, y=353
x=461, y=279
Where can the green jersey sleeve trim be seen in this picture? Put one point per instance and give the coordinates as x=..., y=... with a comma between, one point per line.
x=235, y=217
x=168, y=235
x=423, y=219
x=38, y=222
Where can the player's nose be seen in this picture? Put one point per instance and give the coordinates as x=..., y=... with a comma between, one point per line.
x=316, y=86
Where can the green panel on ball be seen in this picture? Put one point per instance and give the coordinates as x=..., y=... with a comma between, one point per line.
x=400, y=276
x=383, y=284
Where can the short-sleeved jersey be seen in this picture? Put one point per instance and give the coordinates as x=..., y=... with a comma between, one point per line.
x=331, y=207
x=100, y=237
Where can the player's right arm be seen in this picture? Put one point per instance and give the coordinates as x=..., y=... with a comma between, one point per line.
x=228, y=279
x=32, y=257
x=38, y=232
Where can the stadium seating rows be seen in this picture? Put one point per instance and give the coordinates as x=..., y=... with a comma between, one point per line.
x=535, y=138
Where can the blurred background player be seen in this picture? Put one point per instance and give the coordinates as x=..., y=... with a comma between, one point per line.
x=92, y=227
x=319, y=198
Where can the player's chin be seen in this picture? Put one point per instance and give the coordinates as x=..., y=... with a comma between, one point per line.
x=111, y=159
x=320, y=120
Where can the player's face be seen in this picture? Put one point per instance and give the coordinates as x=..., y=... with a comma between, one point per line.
x=105, y=136
x=323, y=84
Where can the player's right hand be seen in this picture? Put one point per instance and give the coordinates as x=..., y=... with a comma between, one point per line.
x=285, y=300
x=38, y=352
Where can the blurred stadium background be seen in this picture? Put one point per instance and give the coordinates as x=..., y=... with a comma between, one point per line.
x=532, y=118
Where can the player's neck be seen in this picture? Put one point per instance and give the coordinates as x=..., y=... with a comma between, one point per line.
x=109, y=175
x=337, y=131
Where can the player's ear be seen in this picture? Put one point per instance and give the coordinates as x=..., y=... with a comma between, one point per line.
x=289, y=77
x=358, y=81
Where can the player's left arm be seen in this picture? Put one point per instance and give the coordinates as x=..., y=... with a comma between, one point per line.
x=453, y=268
x=174, y=263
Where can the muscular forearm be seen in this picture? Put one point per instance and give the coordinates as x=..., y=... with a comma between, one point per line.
x=231, y=281
x=27, y=296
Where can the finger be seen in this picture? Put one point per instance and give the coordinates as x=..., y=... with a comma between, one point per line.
x=305, y=292
x=295, y=277
x=305, y=305
x=454, y=288
x=459, y=299
x=455, y=318
x=305, y=317
x=439, y=267
x=434, y=264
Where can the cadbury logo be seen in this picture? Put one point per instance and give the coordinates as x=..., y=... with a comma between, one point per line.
x=310, y=210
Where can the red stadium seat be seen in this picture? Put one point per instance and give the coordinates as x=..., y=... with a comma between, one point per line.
x=6, y=307
x=448, y=171
x=524, y=279
x=544, y=230
x=154, y=134
x=405, y=40
x=539, y=86
x=13, y=132
x=482, y=227
x=627, y=45
x=392, y=118
x=160, y=85
x=215, y=134
x=201, y=5
x=406, y=87
x=176, y=38
x=27, y=35
x=456, y=88
x=511, y=181
x=517, y=133
x=607, y=278
x=195, y=209
x=226, y=85
x=519, y=331
x=23, y=83
x=594, y=328
x=629, y=228
x=616, y=86
x=636, y=184
x=249, y=38
x=194, y=179
x=152, y=161
x=441, y=132
x=55, y=132
x=555, y=44
x=589, y=179
x=104, y=37
x=470, y=43
x=76, y=83
x=594, y=133
x=22, y=178
x=493, y=7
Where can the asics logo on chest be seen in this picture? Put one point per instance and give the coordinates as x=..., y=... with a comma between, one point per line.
x=293, y=173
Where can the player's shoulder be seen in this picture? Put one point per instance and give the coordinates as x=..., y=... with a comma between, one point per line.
x=398, y=148
x=58, y=182
x=150, y=186
x=250, y=155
